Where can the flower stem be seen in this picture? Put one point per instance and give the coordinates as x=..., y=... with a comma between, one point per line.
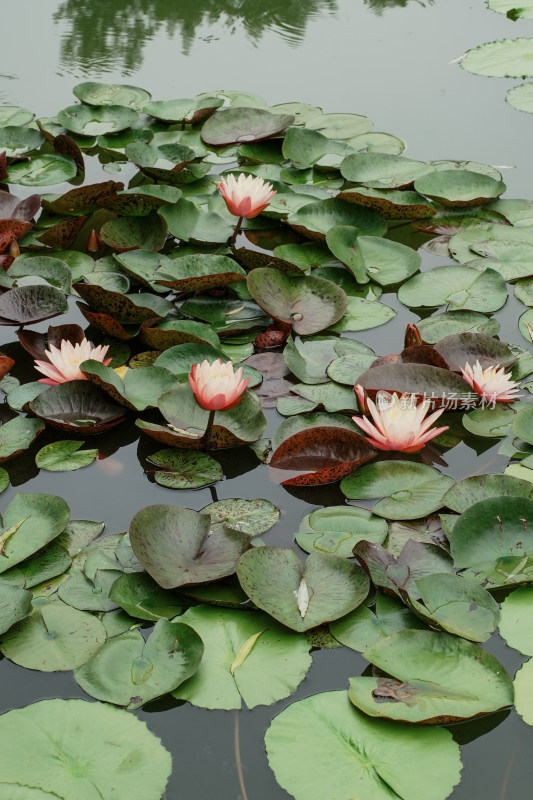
x=206, y=439
x=238, y=761
x=236, y=232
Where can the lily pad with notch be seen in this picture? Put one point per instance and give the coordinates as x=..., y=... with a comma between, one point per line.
x=139, y=389
x=77, y=407
x=383, y=170
x=473, y=290
x=95, y=120
x=135, y=233
x=337, y=529
x=64, y=456
x=43, y=170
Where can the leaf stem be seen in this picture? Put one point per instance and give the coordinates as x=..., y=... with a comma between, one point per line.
x=238, y=761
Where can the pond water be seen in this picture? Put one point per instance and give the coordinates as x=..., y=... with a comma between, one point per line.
x=390, y=61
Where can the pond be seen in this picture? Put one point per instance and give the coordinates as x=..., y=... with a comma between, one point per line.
x=393, y=62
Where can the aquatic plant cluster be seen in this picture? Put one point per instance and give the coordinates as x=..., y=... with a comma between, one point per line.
x=193, y=331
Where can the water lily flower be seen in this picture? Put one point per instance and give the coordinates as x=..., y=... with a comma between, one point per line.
x=399, y=423
x=216, y=386
x=64, y=362
x=492, y=383
x=245, y=196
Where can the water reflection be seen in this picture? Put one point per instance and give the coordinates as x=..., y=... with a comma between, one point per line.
x=378, y=6
x=105, y=36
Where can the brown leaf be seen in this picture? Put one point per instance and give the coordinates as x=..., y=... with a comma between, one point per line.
x=65, y=146
x=61, y=235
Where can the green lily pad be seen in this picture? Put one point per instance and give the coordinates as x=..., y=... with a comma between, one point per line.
x=60, y=734
x=438, y=326
x=482, y=487
x=521, y=425
x=64, y=456
x=16, y=140
x=521, y=97
x=14, y=115
x=243, y=125
x=174, y=546
x=139, y=389
x=189, y=223
x=363, y=627
x=511, y=10
x=96, y=120
x=437, y=678
x=170, y=333
x=312, y=734
x=252, y=517
x=17, y=434
x=372, y=258
x=489, y=422
x=507, y=58
x=52, y=270
x=307, y=304
x=55, y=637
x=127, y=309
x=111, y=94
x=15, y=605
x=515, y=625
x=26, y=305
x=361, y=315
x=304, y=147
x=472, y=290
x=410, y=490
x=199, y=272
x=491, y=539
x=459, y=188
x=77, y=406
x=129, y=671
x=185, y=469
x=30, y=522
x=337, y=529
x=315, y=219
x=128, y=233
x=301, y=597
x=43, y=171
x=186, y=110
x=382, y=170
x=392, y=203
x=247, y=657
x=142, y=598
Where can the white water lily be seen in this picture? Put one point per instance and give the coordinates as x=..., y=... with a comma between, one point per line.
x=492, y=383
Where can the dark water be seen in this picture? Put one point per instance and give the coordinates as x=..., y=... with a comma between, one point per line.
x=386, y=59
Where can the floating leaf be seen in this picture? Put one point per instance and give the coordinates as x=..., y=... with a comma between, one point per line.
x=437, y=678
x=30, y=522
x=77, y=406
x=130, y=233
x=459, y=188
x=43, y=171
x=380, y=170
x=453, y=322
x=337, y=529
x=247, y=657
x=252, y=517
x=95, y=120
x=17, y=435
x=64, y=456
x=26, y=305
x=363, y=627
x=508, y=58
x=271, y=577
x=16, y=141
x=185, y=469
x=521, y=97
x=314, y=220
x=109, y=94
x=60, y=734
x=410, y=490
x=482, y=487
x=243, y=125
x=312, y=734
x=471, y=289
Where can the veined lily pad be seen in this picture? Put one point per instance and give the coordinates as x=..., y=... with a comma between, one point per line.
x=471, y=289
x=135, y=233
x=55, y=637
x=308, y=304
x=410, y=490
x=507, y=58
x=43, y=171
x=15, y=604
x=489, y=422
x=17, y=435
x=26, y=305
x=52, y=270
x=64, y=456
x=77, y=406
x=176, y=548
x=337, y=529
x=382, y=170
x=199, y=272
x=248, y=657
x=111, y=94
x=304, y=147
x=492, y=540
x=243, y=125
x=459, y=349
x=14, y=115
x=482, y=487
x=312, y=734
x=60, y=733
x=95, y=120
x=438, y=678
x=126, y=309
x=458, y=188
x=142, y=598
x=314, y=220
x=128, y=671
x=299, y=596
x=185, y=469
x=363, y=627
x=249, y=516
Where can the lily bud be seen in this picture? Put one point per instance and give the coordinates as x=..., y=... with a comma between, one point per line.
x=362, y=398
x=14, y=249
x=412, y=336
x=93, y=242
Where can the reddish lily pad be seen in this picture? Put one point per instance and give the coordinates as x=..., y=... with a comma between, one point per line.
x=177, y=548
x=60, y=236
x=308, y=304
x=243, y=125
x=461, y=348
x=107, y=324
x=331, y=454
x=83, y=198
x=439, y=385
x=13, y=207
x=77, y=406
x=37, y=343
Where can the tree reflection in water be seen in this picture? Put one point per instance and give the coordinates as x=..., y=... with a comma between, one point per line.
x=104, y=36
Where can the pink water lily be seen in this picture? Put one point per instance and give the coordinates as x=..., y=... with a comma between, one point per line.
x=245, y=196
x=492, y=383
x=216, y=386
x=399, y=423
x=64, y=362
